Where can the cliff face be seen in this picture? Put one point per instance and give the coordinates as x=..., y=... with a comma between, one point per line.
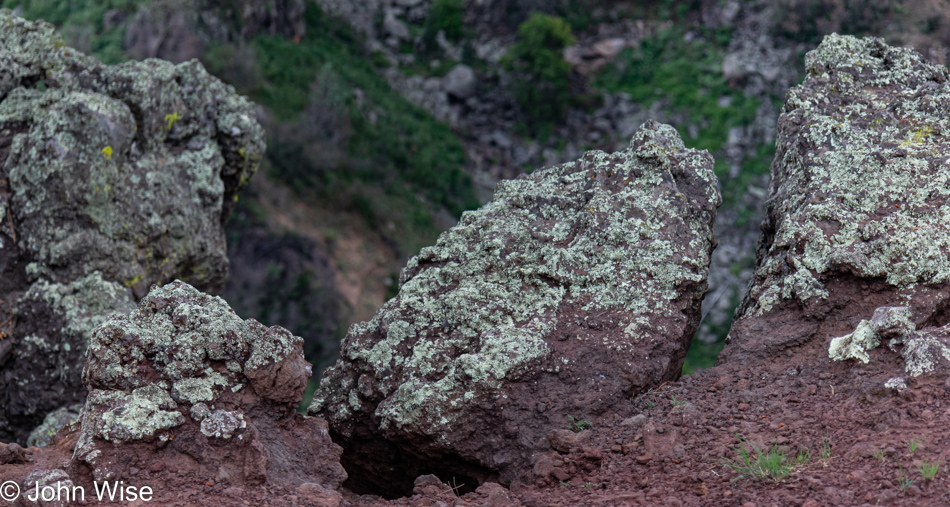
x=114, y=178
x=575, y=287
x=857, y=220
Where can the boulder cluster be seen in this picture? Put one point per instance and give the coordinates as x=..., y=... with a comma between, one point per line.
x=575, y=290
x=113, y=178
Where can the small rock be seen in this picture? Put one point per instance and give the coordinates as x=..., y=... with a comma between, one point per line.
x=460, y=82
x=394, y=27
x=11, y=454
x=635, y=422
x=565, y=440
x=313, y=493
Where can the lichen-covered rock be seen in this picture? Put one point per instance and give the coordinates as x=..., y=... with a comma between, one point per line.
x=574, y=287
x=112, y=178
x=53, y=422
x=858, y=209
x=185, y=382
x=923, y=350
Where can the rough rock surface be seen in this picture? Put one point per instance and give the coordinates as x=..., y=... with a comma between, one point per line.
x=179, y=30
x=858, y=209
x=184, y=385
x=112, y=178
x=575, y=287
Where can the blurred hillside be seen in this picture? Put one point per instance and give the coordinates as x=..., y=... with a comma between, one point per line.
x=388, y=118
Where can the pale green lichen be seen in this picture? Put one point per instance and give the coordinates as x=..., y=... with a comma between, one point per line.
x=139, y=416
x=923, y=350
x=52, y=423
x=622, y=232
x=100, y=187
x=923, y=353
x=201, y=389
x=856, y=344
x=222, y=424
x=193, y=347
x=860, y=183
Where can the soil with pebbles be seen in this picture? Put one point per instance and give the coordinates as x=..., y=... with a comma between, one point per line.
x=857, y=433
x=865, y=443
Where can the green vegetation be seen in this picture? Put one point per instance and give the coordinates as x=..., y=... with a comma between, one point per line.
x=803, y=456
x=392, y=152
x=677, y=403
x=447, y=16
x=825, y=452
x=577, y=425
x=928, y=470
x=689, y=76
x=903, y=480
x=880, y=453
x=82, y=23
x=913, y=444
x=702, y=355
x=541, y=82
x=752, y=463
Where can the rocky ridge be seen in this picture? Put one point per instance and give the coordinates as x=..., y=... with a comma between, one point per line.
x=842, y=268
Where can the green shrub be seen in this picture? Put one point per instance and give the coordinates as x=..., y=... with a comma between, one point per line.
x=390, y=143
x=448, y=16
x=541, y=82
x=80, y=22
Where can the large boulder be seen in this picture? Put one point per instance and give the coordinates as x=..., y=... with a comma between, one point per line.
x=575, y=287
x=854, y=251
x=112, y=178
x=185, y=386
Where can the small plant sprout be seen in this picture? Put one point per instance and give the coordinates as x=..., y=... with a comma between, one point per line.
x=171, y=119
x=879, y=454
x=677, y=403
x=566, y=484
x=928, y=470
x=825, y=449
x=903, y=481
x=590, y=485
x=576, y=425
x=914, y=444
x=759, y=464
x=651, y=403
x=803, y=456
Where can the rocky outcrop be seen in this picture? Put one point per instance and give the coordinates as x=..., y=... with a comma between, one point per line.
x=177, y=30
x=854, y=249
x=113, y=178
x=573, y=288
x=186, y=386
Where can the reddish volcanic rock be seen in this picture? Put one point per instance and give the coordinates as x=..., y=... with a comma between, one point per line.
x=182, y=386
x=855, y=246
x=578, y=286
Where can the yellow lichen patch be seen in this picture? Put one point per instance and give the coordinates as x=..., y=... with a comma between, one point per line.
x=107, y=153
x=918, y=136
x=171, y=119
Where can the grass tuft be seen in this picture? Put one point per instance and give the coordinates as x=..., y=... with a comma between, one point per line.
x=751, y=463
